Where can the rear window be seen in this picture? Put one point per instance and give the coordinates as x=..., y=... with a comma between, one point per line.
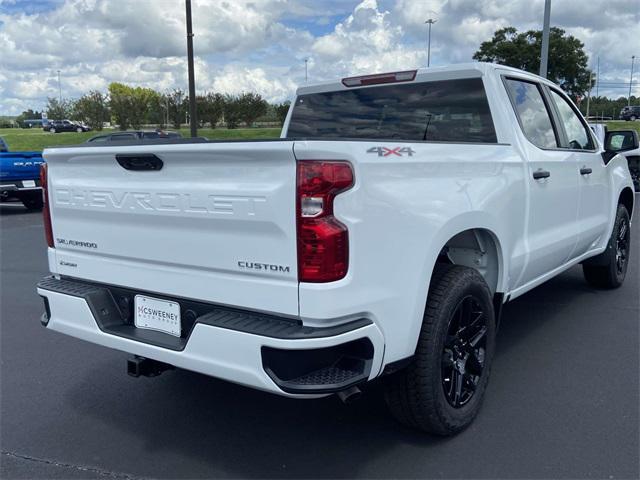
x=442, y=111
x=118, y=137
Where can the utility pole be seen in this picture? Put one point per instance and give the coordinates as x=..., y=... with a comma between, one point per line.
x=429, y=22
x=544, y=54
x=193, y=115
x=59, y=89
x=166, y=109
x=598, y=76
x=589, y=94
x=633, y=57
x=306, y=71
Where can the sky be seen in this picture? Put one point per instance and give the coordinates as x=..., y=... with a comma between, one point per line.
x=261, y=45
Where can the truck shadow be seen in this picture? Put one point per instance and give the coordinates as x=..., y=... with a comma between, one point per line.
x=238, y=432
x=8, y=209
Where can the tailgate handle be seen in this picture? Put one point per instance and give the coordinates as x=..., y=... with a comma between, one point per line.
x=139, y=162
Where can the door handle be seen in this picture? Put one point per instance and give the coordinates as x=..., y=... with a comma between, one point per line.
x=585, y=171
x=540, y=174
x=139, y=161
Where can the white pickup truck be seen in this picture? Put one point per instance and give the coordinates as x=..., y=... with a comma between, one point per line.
x=378, y=237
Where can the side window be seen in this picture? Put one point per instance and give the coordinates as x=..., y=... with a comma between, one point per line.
x=532, y=113
x=578, y=137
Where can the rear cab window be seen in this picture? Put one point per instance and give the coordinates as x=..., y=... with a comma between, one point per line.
x=440, y=111
x=116, y=137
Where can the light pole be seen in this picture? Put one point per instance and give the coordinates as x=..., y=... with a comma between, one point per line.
x=59, y=89
x=544, y=54
x=429, y=22
x=598, y=76
x=589, y=93
x=193, y=115
x=633, y=57
x=306, y=70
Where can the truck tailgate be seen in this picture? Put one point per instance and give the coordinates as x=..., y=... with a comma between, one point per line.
x=215, y=223
x=19, y=166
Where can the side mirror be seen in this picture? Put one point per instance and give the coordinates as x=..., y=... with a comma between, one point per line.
x=619, y=141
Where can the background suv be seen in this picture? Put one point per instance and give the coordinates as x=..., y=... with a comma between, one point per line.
x=56, y=126
x=630, y=112
x=134, y=135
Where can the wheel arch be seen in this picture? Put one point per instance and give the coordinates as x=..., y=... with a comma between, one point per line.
x=456, y=244
x=477, y=248
x=464, y=240
x=626, y=198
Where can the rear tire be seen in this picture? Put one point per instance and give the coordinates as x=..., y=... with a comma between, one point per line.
x=442, y=389
x=609, y=269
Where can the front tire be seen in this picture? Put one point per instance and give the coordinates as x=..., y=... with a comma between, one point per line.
x=79, y=130
x=609, y=269
x=442, y=389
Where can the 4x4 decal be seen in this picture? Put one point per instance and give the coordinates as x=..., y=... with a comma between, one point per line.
x=386, y=151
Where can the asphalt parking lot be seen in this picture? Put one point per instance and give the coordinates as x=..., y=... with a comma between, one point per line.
x=563, y=401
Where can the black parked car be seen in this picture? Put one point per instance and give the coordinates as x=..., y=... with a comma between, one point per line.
x=57, y=126
x=134, y=135
x=630, y=112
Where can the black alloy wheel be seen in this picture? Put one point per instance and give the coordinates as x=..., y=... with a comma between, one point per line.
x=463, y=355
x=623, y=240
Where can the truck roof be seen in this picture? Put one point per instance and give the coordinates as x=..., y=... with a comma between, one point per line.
x=447, y=72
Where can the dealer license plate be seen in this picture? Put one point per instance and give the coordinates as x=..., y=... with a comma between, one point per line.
x=155, y=314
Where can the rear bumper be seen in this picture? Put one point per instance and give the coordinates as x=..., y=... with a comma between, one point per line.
x=260, y=351
x=16, y=188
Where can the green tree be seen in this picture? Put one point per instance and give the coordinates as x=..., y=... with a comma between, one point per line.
x=28, y=115
x=210, y=108
x=201, y=108
x=93, y=109
x=57, y=110
x=177, y=104
x=251, y=106
x=606, y=107
x=281, y=110
x=567, y=58
x=232, y=111
x=129, y=105
x=156, y=107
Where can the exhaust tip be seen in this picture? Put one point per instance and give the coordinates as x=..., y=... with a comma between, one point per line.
x=350, y=395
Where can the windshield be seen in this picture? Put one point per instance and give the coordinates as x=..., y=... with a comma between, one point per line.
x=446, y=111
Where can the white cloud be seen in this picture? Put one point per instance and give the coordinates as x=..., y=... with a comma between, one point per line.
x=367, y=40
x=274, y=85
x=261, y=45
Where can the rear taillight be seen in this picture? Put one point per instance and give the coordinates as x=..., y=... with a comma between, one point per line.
x=46, y=214
x=323, y=241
